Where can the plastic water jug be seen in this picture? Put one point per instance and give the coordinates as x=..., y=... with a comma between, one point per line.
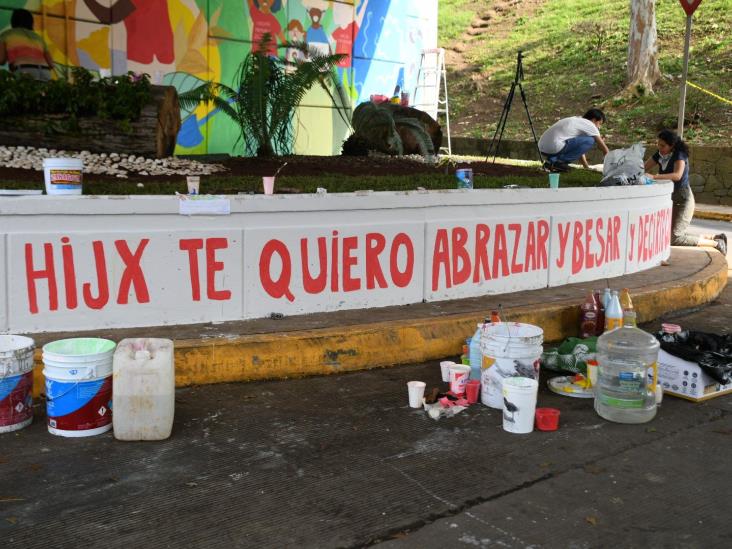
x=625, y=393
x=476, y=355
x=144, y=389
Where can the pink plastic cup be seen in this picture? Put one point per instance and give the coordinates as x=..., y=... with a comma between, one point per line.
x=472, y=390
x=268, y=183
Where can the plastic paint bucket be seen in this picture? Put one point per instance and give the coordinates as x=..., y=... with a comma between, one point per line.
x=519, y=404
x=510, y=349
x=78, y=375
x=464, y=178
x=16, y=382
x=63, y=175
x=459, y=374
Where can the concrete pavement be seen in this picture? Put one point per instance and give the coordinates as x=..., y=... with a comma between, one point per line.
x=341, y=461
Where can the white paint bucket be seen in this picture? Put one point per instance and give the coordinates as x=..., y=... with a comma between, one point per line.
x=510, y=349
x=63, y=175
x=78, y=375
x=519, y=404
x=16, y=382
x=459, y=375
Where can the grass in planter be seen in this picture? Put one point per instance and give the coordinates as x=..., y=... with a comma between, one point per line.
x=217, y=184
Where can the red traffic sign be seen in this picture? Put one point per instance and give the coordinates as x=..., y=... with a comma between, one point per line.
x=690, y=6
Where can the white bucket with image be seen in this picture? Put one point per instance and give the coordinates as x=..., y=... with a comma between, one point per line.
x=63, y=175
x=16, y=382
x=78, y=375
x=510, y=349
x=519, y=404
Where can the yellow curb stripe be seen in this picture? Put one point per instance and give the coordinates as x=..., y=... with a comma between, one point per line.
x=716, y=216
x=384, y=344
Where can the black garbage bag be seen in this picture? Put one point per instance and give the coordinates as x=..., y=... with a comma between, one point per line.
x=712, y=352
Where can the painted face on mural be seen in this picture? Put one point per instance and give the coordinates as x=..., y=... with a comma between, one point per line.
x=265, y=6
x=315, y=16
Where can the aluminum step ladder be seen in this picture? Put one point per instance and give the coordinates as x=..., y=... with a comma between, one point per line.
x=430, y=92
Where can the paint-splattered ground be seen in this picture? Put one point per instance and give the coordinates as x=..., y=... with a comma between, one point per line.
x=341, y=461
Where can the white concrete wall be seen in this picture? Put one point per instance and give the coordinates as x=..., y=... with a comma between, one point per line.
x=75, y=263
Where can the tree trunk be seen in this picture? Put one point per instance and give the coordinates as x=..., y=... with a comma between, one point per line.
x=643, y=71
x=154, y=134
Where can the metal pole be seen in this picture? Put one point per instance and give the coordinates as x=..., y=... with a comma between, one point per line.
x=682, y=99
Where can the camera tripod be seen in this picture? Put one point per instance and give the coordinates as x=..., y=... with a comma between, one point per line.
x=498, y=136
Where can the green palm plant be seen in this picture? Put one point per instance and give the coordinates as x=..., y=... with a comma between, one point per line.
x=266, y=92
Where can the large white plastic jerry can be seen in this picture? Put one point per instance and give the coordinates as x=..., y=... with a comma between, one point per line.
x=143, y=389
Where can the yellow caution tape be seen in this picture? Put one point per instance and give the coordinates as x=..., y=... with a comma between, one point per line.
x=710, y=93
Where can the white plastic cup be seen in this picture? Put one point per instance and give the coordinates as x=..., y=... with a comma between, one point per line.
x=63, y=175
x=416, y=393
x=459, y=375
x=445, y=369
x=193, y=182
x=268, y=183
x=519, y=404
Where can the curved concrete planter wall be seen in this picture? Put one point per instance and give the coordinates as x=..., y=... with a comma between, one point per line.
x=77, y=263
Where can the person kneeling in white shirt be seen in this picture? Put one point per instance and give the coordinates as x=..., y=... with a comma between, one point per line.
x=570, y=138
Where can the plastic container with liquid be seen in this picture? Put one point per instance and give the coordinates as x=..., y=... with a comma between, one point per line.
x=625, y=393
x=613, y=313
x=476, y=355
x=144, y=389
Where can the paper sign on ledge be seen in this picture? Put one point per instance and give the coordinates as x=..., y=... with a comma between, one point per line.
x=204, y=204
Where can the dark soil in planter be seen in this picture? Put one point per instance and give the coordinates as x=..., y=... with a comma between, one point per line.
x=349, y=166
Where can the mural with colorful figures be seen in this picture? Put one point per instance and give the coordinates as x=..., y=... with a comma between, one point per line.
x=186, y=42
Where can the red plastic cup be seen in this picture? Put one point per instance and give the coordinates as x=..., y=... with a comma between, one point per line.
x=547, y=419
x=472, y=390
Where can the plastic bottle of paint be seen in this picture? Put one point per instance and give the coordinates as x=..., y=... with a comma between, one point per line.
x=476, y=355
x=606, y=297
x=625, y=301
x=600, y=312
x=613, y=313
x=589, y=317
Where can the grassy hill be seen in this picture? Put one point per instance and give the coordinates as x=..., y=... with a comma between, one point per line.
x=575, y=58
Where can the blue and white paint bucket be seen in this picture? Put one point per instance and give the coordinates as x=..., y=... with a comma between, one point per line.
x=78, y=375
x=464, y=178
x=16, y=382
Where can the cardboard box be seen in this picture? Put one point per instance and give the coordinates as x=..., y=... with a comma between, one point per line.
x=687, y=380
